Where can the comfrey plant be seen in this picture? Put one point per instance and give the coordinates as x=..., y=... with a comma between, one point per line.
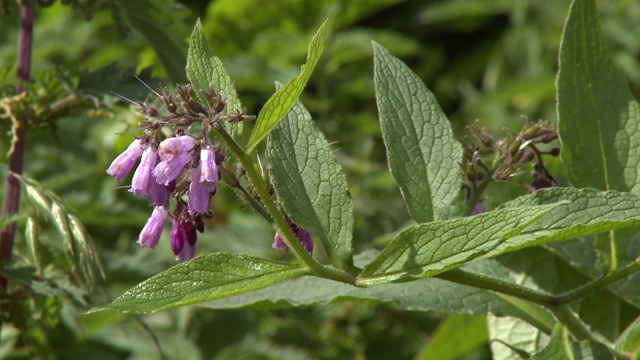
x=559, y=264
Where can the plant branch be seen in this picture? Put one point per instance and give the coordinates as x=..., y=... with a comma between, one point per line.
x=16, y=156
x=488, y=283
x=289, y=238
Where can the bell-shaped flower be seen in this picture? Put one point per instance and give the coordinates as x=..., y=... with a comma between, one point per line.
x=150, y=234
x=140, y=181
x=208, y=166
x=303, y=235
x=123, y=164
x=175, y=153
x=177, y=236
x=199, y=192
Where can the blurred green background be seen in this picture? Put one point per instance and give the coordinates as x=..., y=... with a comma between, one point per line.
x=490, y=61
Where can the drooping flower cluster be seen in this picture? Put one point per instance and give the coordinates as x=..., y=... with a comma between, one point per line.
x=182, y=166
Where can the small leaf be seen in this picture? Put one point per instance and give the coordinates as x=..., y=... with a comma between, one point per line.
x=311, y=184
x=423, y=154
x=31, y=237
x=588, y=211
x=431, y=248
x=204, y=278
x=204, y=68
x=279, y=103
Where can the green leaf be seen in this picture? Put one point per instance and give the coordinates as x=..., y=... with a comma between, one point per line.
x=203, y=279
x=111, y=79
x=279, y=103
x=512, y=338
x=598, y=119
x=629, y=340
x=454, y=337
x=311, y=184
x=588, y=211
x=598, y=115
x=431, y=248
x=561, y=347
x=423, y=154
x=204, y=68
x=151, y=20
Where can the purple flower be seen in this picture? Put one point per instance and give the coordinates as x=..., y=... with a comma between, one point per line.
x=303, y=235
x=175, y=154
x=141, y=178
x=478, y=209
x=177, y=236
x=150, y=234
x=123, y=164
x=199, y=192
x=158, y=193
x=187, y=253
x=208, y=167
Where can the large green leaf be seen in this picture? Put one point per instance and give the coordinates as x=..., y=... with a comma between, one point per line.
x=203, y=279
x=279, y=103
x=598, y=116
x=423, y=154
x=204, y=68
x=599, y=119
x=431, y=248
x=511, y=338
x=588, y=211
x=311, y=184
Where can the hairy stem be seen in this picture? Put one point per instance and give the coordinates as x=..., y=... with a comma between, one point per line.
x=16, y=156
x=289, y=238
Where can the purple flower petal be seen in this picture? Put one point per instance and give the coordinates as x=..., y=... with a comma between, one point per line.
x=123, y=164
x=140, y=180
x=187, y=252
x=208, y=166
x=177, y=237
x=199, y=193
x=150, y=234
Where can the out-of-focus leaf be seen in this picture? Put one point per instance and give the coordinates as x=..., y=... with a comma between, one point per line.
x=311, y=184
x=279, y=103
x=422, y=152
x=454, y=337
x=152, y=19
x=111, y=79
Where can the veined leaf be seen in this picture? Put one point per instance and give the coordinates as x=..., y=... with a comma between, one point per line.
x=598, y=116
x=423, y=155
x=588, y=211
x=204, y=278
x=311, y=184
x=598, y=121
x=562, y=347
x=428, y=249
x=204, y=68
x=512, y=338
x=279, y=103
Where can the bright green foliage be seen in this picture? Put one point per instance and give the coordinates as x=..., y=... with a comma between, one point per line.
x=203, y=279
x=204, y=69
x=562, y=347
x=423, y=155
x=428, y=249
x=279, y=103
x=512, y=338
x=311, y=184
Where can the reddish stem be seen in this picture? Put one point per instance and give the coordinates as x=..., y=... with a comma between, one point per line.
x=16, y=157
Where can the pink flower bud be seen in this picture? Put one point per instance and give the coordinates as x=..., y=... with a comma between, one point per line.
x=123, y=164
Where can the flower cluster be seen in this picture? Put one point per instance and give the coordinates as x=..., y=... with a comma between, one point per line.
x=182, y=166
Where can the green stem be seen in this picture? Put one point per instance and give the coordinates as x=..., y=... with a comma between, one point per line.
x=597, y=284
x=488, y=283
x=475, y=196
x=289, y=238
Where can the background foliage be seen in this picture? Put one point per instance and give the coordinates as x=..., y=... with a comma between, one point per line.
x=494, y=61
